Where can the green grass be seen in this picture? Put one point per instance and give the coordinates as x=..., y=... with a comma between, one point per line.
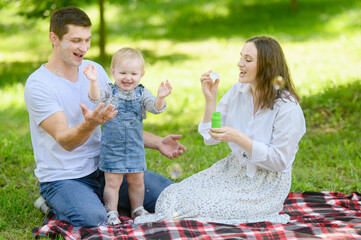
x=181, y=40
x=329, y=155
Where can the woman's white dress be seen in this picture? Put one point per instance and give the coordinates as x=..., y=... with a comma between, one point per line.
x=242, y=187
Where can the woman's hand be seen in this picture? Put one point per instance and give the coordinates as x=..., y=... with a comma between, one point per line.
x=209, y=87
x=224, y=134
x=228, y=134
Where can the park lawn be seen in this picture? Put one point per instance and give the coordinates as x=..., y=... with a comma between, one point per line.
x=320, y=41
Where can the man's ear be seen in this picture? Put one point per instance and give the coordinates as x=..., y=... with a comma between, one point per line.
x=142, y=73
x=54, y=39
x=111, y=71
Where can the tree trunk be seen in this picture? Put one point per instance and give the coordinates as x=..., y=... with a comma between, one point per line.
x=294, y=5
x=102, y=34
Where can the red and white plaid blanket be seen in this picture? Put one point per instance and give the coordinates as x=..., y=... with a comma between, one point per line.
x=314, y=215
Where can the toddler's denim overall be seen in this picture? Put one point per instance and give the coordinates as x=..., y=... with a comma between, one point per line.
x=122, y=145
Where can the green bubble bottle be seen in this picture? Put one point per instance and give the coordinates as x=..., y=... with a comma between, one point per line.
x=216, y=120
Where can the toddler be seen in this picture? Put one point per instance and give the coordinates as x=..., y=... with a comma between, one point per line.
x=122, y=146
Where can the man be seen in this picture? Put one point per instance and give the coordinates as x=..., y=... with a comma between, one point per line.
x=65, y=128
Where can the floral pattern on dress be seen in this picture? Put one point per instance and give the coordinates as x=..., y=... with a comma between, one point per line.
x=224, y=194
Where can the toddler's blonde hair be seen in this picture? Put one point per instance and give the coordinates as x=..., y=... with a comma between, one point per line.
x=127, y=53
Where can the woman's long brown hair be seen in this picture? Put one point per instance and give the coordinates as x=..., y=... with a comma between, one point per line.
x=271, y=63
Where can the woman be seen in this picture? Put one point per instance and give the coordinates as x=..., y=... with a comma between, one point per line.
x=263, y=124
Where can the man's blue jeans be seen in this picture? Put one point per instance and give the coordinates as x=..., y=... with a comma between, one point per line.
x=79, y=200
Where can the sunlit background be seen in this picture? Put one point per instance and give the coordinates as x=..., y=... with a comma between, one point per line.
x=180, y=40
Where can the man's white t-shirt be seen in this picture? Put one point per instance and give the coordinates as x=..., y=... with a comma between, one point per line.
x=46, y=94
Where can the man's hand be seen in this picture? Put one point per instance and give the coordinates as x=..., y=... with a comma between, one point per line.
x=170, y=147
x=72, y=137
x=99, y=115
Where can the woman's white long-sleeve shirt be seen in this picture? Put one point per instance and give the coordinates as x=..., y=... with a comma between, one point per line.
x=275, y=133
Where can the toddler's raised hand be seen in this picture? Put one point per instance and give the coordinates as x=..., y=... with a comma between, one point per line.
x=90, y=72
x=165, y=88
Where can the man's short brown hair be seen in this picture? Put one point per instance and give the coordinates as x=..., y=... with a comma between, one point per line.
x=60, y=19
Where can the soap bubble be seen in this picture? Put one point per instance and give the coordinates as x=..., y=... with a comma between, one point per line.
x=214, y=76
x=107, y=96
x=175, y=171
x=59, y=73
x=64, y=44
x=175, y=214
x=278, y=83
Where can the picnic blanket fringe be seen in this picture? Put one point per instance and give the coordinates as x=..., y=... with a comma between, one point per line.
x=314, y=215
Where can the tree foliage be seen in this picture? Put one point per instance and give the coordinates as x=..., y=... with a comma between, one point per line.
x=44, y=8
x=41, y=8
